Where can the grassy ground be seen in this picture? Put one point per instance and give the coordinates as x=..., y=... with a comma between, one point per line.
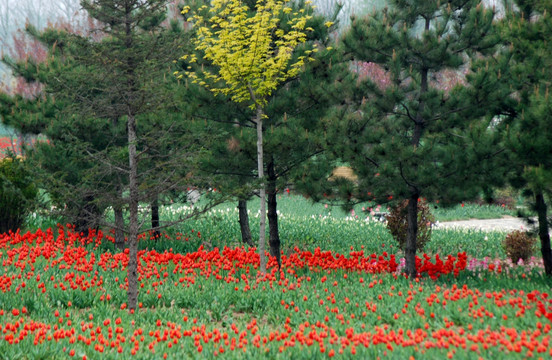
x=471, y=211
x=307, y=226
x=339, y=294
x=298, y=206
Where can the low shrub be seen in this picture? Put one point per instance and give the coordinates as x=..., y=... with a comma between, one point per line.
x=397, y=224
x=519, y=245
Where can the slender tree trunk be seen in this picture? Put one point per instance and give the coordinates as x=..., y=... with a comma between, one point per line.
x=544, y=234
x=119, y=227
x=155, y=217
x=274, y=236
x=132, y=269
x=262, y=190
x=118, y=209
x=244, y=222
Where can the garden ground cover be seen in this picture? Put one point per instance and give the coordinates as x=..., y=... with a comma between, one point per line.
x=339, y=293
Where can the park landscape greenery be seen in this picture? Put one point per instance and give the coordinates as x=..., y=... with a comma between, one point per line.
x=147, y=105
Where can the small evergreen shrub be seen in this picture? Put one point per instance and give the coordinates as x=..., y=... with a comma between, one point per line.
x=398, y=226
x=519, y=245
x=18, y=194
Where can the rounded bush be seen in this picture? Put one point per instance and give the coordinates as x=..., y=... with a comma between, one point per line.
x=519, y=245
x=397, y=224
x=18, y=194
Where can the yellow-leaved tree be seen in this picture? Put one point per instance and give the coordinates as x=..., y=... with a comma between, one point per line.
x=252, y=52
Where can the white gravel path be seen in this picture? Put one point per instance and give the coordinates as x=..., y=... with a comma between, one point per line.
x=506, y=224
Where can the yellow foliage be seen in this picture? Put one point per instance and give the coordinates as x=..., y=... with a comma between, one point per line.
x=249, y=49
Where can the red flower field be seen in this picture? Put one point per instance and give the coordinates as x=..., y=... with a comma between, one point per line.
x=64, y=296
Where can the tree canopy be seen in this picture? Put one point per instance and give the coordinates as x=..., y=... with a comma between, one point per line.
x=410, y=139
x=251, y=52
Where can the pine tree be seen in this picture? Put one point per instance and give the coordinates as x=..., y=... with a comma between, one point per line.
x=111, y=101
x=295, y=128
x=517, y=81
x=232, y=162
x=61, y=169
x=410, y=139
x=228, y=160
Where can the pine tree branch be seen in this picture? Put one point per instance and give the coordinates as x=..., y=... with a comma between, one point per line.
x=293, y=165
x=231, y=173
x=454, y=111
x=374, y=162
x=227, y=121
x=109, y=164
x=408, y=114
x=194, y=214
x=408, y=182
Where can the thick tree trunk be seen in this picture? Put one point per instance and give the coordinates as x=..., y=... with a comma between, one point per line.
x=274, y=236
x=119, y=227
x=412, y=207
x=411, y=235
x=544, y=234
x=244, y=223
x=132, y=269
x=155, y=218
x=87, y=217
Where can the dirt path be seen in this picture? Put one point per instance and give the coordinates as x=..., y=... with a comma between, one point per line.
x=505, y=224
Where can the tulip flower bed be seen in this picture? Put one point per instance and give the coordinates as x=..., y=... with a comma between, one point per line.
x=63, y=295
